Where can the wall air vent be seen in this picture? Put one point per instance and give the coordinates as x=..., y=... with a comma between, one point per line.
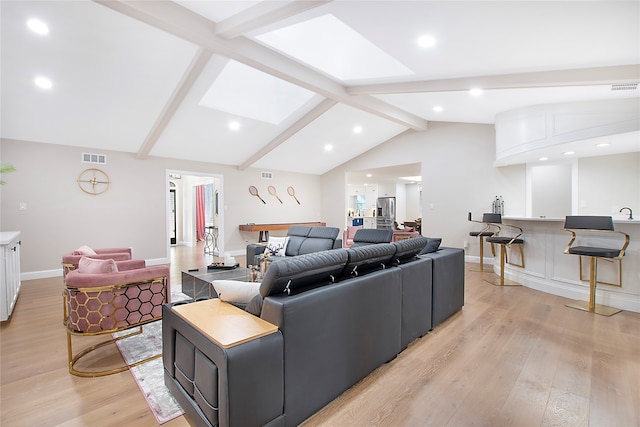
x=625, y=86
x=99, y=159
x=266, y=175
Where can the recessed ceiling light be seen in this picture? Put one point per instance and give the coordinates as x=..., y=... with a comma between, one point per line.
x=357, y=129
x=568, y=153
x=542, y=159
x=37, y=26
x=602, y=144
x=437, y=108
x=43, y=82
x=328, y=147
x=369, y=175
x=426, y=41
x=234, y=125
x=476, y=91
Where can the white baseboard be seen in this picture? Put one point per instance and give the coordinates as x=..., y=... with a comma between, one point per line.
x=157, y=261
x=476, y=260
x=575, y=290
x=45, y=274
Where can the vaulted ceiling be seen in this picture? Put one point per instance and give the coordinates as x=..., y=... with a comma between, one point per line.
x=300, y=86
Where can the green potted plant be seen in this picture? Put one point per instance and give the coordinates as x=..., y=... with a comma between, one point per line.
x=6, y=169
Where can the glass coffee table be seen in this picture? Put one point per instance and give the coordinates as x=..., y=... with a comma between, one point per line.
x=196, y=283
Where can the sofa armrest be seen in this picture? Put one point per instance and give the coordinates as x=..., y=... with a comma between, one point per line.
x=78, y=280
x=448, y=282
x=254, y=249
x=245, y=374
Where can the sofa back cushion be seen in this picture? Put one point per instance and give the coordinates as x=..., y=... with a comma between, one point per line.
x=297, y=234
x=294, y=274
x=408, y=249
x=305, y=240
x=370, y=236
x=363, y=259
x=319, y=239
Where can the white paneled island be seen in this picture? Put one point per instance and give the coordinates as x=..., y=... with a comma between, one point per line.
x=549, y=269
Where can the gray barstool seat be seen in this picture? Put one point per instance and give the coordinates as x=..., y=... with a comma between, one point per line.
x=601, y=226
x=504, y=242
x=481, y=234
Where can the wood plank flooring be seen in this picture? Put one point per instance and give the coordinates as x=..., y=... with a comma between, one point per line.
x=512, y=357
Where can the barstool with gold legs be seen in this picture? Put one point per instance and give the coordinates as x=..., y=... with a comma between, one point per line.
x=487, y=231
x=592, y=226
x=504, y=242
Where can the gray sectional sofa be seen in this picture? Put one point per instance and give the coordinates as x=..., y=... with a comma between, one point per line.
x=340, y=314
x=302, y=240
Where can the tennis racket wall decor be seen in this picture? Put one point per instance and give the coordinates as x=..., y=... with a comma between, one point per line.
x=292, y=193
x=254, y=192
x=272, y=191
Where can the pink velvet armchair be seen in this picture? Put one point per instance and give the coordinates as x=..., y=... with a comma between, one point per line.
x=348, y=234
x=105, y=296
x=71, y=259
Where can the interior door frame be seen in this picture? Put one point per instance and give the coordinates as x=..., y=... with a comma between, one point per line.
x=221, y=219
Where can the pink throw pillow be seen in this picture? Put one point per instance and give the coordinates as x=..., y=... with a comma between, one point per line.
x=96, y=266
x=84, y=250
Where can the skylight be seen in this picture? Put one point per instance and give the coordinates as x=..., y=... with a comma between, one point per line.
x=330, y=45
x=247, y=92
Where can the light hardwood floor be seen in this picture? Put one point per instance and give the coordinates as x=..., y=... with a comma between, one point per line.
x=512, y=357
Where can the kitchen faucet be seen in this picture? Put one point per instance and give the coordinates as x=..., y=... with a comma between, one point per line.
x=630, y=212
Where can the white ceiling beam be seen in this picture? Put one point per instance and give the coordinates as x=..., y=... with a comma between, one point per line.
x=316, y=112
x=575, y=77
x=199, y=61
x=183, y=23
x=263, y=14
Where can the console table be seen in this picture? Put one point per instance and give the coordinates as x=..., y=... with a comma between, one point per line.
x=265, y=228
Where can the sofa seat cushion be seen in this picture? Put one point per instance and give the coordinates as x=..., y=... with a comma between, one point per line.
x=292, y=274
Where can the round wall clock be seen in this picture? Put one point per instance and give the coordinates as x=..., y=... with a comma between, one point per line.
x=93, y=181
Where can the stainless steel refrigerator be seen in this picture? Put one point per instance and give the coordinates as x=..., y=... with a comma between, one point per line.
x=385, y=212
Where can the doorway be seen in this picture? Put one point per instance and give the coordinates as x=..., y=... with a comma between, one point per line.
x=173, y=236
x=184, y=209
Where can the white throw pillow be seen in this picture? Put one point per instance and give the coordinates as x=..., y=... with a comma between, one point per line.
x=234, y=291
x=277, y=245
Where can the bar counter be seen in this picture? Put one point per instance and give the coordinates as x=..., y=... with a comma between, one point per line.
x=549, y=269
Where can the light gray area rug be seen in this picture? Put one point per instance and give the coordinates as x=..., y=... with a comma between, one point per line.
x=150, y=376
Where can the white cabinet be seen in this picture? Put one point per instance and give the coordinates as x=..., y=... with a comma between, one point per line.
x=369, y=222
x=10, y=286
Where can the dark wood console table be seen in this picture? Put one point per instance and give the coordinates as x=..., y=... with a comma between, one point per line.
x=265, y=228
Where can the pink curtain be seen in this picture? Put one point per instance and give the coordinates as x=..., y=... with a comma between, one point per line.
x=200, y=212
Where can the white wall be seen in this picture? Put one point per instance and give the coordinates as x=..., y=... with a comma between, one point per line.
x=458, y=177
x=608, y=183
x=133, y=212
